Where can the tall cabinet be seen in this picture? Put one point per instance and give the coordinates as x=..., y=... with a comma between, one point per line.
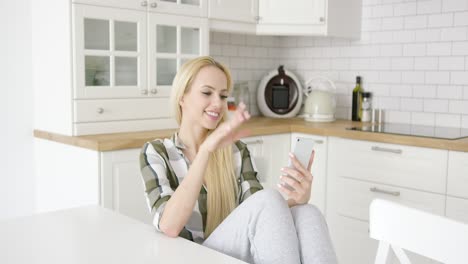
x=114, y=68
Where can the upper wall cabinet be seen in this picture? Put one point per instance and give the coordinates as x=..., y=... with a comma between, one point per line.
x=112, y=56
x=233, y=16
x=337, y=18
x=178, y=7
x=100, y=69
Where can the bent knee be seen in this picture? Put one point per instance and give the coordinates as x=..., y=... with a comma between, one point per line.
x=269, y=195
x=308, y=210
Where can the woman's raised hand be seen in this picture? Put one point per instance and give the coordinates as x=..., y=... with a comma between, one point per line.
x=227, y=133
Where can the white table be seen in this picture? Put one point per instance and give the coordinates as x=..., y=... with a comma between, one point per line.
x=95, y=235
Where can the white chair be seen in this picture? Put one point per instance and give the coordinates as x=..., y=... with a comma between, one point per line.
x=400, y=227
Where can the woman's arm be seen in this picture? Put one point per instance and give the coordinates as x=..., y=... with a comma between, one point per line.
x=180, y=206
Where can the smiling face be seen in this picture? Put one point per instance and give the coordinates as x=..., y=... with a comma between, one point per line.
x=205, y=103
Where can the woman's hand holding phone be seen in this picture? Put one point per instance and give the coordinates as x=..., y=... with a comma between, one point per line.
x=299, y=179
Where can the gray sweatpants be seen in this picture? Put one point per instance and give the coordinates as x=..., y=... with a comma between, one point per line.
x=263, y=229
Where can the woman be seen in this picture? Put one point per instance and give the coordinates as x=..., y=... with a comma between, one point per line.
x=201, y=183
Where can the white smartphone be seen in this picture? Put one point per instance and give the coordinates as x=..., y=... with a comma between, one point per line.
x=302, y=150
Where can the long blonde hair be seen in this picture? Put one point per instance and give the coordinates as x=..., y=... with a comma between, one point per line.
x=221, y=181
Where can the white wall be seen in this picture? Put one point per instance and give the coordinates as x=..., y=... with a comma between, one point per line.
x=16, y=110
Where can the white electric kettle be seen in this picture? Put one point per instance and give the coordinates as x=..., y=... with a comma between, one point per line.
x=320, y=104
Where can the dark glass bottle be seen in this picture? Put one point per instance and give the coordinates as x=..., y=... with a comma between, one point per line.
x=357, y=100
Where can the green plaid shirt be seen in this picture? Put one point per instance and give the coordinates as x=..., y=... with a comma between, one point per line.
x=164, y=166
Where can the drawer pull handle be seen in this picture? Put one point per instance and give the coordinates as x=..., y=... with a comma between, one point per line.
x=258, y=141
x=100, y=110
x=377, y=190
x=318, y=141
x=396, y=151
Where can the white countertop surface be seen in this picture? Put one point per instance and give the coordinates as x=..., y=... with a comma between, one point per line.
x=95, y=235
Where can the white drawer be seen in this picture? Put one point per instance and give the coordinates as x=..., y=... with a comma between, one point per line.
x=353, y=198
x=457, y=209
x=457, y=181
x=120, y=109
x=413, y=167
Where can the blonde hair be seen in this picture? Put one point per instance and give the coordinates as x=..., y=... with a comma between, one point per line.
x=221, y=181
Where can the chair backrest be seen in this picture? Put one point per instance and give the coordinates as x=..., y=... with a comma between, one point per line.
x=400, y=227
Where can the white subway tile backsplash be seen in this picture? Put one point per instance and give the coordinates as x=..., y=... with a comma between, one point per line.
x=448, y=120
x=382, y=63
x=390, y=103
x=435, y=105
x=414, y=50
x=460, y=78
x=237, y=63
x=245, y=51
x=440, y=20
x=401, y=90
x=331, y=52
x=369, y=51
x=392, y=23
x=415, y=22
x=464, y=122
x=411, y=104
x=429, y=6
x=461, y=19
x=382, y=37
x=359, y=64
x=392, y=116
x=454, y=5
x=458, y=107
x=215, y=50
x=428, y=35
x=404, y=36
x=220, y=38
x=449, y=92
x=439, y=49
x=424, y=91
x=453, y=34
x=252, y=40
x=436, y=77
x=402, y=63
x=425, y=119
x=237, y=39
x=390, y=77
x=426, y=63
x=452, y=63
x=380, y=89
x=413, y=77
x=382, y=11
x=229, y=50
x=404, y=9
x=460, y=48
x=465, y=92
x=339, y=64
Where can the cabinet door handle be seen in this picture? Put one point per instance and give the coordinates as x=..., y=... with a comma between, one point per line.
x=318, y=141
x=154, y=5
x=377, y=190
x=257, y=18
x=144, y=3
x=154, y=91
x=251, y=142
x=396, y=151
x=100, y=110
x=144, y=92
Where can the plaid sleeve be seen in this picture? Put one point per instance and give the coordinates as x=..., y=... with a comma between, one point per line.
x=248, y=174
x=155, y=180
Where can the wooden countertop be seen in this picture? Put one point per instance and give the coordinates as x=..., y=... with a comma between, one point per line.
x=257, y=126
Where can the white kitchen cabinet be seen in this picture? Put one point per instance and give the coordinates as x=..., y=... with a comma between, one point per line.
x=103, y=69
x=270, y=154
x=319, y=169
x=233, y=16
x=457, y=181
x=457, y=208
x=178, y=7
x=360, y=171
x=122, y=188
x=337, y=18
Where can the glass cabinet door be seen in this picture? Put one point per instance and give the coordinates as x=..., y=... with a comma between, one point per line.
x=197, y=8
x=172, y=41
x=110, y=52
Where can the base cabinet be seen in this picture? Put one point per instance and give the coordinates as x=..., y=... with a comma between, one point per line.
x=360, y=171
x=122, y=188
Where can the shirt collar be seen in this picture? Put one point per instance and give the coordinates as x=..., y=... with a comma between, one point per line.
x=177, y=142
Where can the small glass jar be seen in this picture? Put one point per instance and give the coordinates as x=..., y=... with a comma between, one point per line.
x=366, y=107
